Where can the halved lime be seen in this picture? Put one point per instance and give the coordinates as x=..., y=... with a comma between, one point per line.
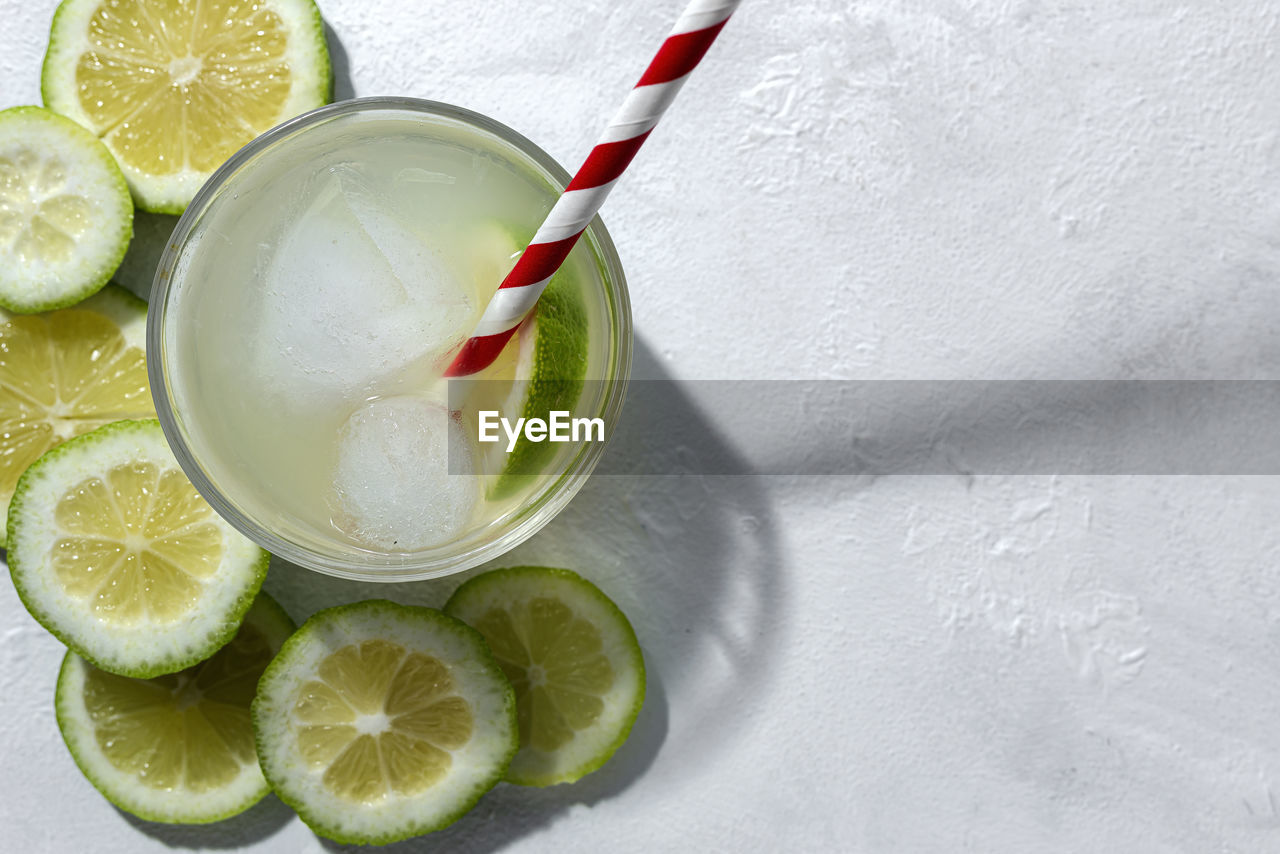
x=65, y=213
x=377, y=722
x=573, y=659
x=114, y=552
x=175, y=88
x=176, y=748
x=65, y=373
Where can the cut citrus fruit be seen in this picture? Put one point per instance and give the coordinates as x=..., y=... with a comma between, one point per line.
x=541, y=370
x=113, y=551
x=574, y=661
x=65, y=213
x=65, y=373
x=176, y=748
x=377, y=722
x=175, y=87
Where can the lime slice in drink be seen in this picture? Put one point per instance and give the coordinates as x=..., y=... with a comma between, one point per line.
x=65, y=213
x=67, y=372
x=113, y=551
x=541, y=369
x=176, y=748
x=174, y=89
x=377, y=722
x=573, y=659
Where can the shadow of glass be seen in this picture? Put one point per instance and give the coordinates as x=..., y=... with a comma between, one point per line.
x=259, y=822
x=692, y=560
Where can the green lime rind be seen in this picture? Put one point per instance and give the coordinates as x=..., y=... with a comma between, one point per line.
x=591, y=748
x=308, y=51
x=125, y=790
x=118, y=305
x=557, y=373
x=74, y=162
x=427, y=630
x=142, y=651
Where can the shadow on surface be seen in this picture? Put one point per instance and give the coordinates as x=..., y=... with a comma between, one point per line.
x=343, y=89
x=694, y=563
x=255, y=824
x=151, y=234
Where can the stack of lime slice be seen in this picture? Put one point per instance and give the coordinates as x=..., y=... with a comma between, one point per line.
x=185, y=694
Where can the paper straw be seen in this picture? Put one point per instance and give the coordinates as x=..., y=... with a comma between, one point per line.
x=683, y=49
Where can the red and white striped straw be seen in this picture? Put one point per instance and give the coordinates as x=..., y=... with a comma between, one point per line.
x=692, y=35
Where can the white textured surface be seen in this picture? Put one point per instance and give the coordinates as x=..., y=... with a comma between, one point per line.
x=887, y=188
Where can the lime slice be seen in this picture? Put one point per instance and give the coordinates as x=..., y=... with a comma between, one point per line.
x=176, y=748
x=114, y=552
x=65, y=373
x=174, y=89
x=573, y=659
x=65, y=213
x=541, y=369
x=378, y=722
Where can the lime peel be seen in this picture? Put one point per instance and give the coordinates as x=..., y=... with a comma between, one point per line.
x=66, y=217
x=141, y=648
x=99, y=348
x=285, y=710
x=175, y=89
x=85, y=731
x=535, y=619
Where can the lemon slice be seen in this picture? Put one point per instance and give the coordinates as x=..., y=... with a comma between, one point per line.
x=377, y=722
x=65, y=373
x=176, y=748
x=113, y=551
x=65, y=213
x=175, y=87
x=574, y=661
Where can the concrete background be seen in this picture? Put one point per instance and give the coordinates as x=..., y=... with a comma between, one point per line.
x=866, y=189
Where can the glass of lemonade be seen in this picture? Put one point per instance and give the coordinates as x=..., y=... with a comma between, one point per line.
x=308, y=304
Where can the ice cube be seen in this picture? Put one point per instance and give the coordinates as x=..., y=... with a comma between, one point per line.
x=352, y=297
x=404, y=478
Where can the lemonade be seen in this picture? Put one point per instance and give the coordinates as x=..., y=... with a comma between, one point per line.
x=311, y=300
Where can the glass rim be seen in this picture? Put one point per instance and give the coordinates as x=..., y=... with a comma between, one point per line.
x=530, y=515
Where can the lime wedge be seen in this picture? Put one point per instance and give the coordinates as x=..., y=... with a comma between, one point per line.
x=574, y=662
x=65, y=213
x=174, y=89
x=176, y=748
x=65, y=373
x=377, y=722
x=113, y=551
x=542, y=368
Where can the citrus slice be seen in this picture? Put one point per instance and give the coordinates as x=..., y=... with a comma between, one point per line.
x=573, y=659
x=176, y=748
x=65, y=373
x=113, y=551
x=541, y=370
x=377, y=722
x=175, y=88
x=65, y=213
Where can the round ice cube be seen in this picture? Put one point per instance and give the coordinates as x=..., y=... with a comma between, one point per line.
x=405, y=477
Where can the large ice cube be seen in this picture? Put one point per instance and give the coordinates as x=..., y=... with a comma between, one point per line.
x=353, y=297
x=395, y=486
